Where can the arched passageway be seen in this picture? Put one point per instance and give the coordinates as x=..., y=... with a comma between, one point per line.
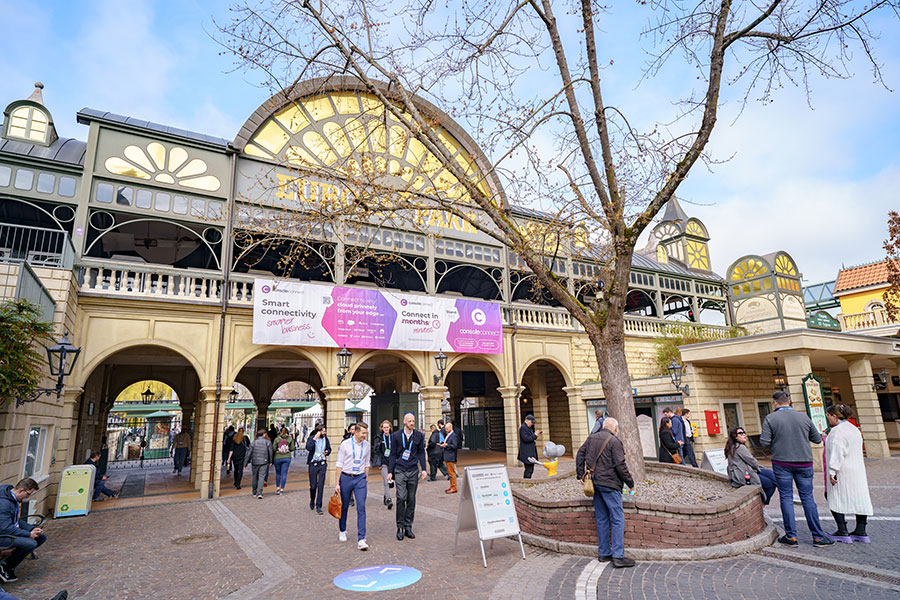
x=544, y=397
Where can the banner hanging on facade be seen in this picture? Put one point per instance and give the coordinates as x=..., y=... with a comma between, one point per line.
x=309, y=314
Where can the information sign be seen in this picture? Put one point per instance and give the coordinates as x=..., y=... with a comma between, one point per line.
x=486, y=504
x=714, y=460
x=815, y=404
x=76, y=488
x=377, y=578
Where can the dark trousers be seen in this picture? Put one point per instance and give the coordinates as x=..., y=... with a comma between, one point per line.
x=24, y=546
x=436, y=462
x=100, y=488
x=406, y=483
x=317, y=482
x=180, y=456
x=357, y=486
x=238, y=467
x=529, y=470
x=689, y=456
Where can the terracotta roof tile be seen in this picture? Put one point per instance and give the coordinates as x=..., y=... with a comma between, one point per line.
x=862, y=276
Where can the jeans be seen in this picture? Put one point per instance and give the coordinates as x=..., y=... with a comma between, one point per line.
x=357, y=486
x=180, y=456
x=785, y=477
x=436, y=462
x=387, y=487
x=100, y=488
x=317, y=482
x=529, y=470
x=767, y=479
x=610, y=522
x=281, y=470
x=259, y=473
x=24, y=546
x=407, y=482
x=688, y=451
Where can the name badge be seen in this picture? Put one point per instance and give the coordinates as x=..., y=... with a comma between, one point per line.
x=387, y=452
x=406, y=455
x=357, y=461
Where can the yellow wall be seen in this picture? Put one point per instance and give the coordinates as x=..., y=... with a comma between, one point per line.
x=856, y=302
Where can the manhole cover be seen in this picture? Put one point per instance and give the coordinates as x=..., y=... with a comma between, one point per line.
x=195, y=539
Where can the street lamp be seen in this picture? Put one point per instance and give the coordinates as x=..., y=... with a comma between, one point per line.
x=343, y=364
x=441, y=362
x=675, y=371
x=147, y=396
x=61, y=359
x=779, y=379
x=233, y=395
x=310, y=394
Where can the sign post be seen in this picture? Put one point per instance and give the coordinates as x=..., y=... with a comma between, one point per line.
x=76, y=488
x=486, y=504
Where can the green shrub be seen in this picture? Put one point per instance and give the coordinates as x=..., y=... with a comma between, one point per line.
x=21, y=358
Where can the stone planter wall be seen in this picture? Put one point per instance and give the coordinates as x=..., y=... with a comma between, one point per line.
x=736, y=517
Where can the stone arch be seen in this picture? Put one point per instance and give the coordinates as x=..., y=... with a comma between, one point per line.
x=358, y=360
x=562, y=368
x=85, y=369
x=255, y=351
x=495, y=365
x=545, y=397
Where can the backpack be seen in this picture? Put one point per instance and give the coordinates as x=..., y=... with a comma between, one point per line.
x=284, y=447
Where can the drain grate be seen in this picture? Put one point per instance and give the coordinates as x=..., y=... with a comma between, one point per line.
x=195, y=539
x=832, y=567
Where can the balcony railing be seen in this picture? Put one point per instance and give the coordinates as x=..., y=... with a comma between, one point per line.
x=872, y=319
x=38, y=246
x=99, y=278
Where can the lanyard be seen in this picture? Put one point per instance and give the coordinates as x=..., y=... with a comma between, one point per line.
x=783, y=408
x=320, y=445
x=353, y=446
x=387, y=440
x=407, y=442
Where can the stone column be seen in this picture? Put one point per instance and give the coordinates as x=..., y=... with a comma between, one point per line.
x=334, y=425
x=510, y=399
x=68, y=424
x=197, y=416
x=432, y=396
x=542, y=422
x=797, y=366
x=577, y=417
x=868, y=410
x=206, y=428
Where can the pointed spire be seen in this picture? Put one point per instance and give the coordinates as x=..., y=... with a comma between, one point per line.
x=36, y=94
x=674, y=212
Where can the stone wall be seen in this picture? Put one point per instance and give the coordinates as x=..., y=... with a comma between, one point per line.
x=640, y=353
x=736, y=517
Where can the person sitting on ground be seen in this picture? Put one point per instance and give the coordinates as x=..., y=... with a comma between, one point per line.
x=668, y=447
x=99, y=480
x=26, y=537
x=743, y=468
x=847, y=487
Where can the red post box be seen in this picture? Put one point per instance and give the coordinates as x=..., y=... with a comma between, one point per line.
x=712, y=422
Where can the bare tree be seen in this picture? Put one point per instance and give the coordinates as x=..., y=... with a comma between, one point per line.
x=527, y=76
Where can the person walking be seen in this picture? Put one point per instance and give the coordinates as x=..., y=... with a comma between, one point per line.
x=602, y=458
x=353, y=460
x=283, y=448
x=406, y=456
x=688, y=448
x=25, y=537
x=598, y=421
x=317, y=450
x=237, y=455
x=788, y=433
x=846, y=487
x=261, y=456
x=381, y=452
x=668, y=447
x=743, y=468
x=450, y=446
x=305, y=431
x=677, y=429
x=103, y=463
x=181, y=443
x=229, y=433
x=436, y=452
x=528, y=445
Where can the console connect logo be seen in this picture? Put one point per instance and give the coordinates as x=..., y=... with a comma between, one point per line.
x=403, y=302
x=478, y=316
x=266, y=289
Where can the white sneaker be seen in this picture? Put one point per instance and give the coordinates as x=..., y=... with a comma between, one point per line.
x=342, y=536
x=362, y=545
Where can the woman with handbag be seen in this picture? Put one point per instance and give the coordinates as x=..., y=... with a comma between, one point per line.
x=743, y=469
x=381, y=451
x=668, y=447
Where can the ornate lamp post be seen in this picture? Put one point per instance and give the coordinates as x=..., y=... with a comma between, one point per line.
x=343, y=364
x=440, y=362
x=779, y=379
x=61, y=358
x=675, y=372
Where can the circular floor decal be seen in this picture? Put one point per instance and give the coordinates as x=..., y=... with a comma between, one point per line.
x=377, y=578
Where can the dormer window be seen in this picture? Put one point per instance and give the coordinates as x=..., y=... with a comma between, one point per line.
x=28, y=123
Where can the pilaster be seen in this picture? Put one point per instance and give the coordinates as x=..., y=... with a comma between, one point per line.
x=432, y=396
x=510, y=395
x=577, y=417
x=868, y=409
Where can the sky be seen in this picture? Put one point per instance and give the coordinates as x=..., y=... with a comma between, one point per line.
x=816, y=181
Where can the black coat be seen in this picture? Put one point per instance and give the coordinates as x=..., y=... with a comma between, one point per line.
x=240, y=450
x=527, y=445
x=311, y=448
x=610, y=470
x=667, y=446
x=378, y=457
x=416, y=448
x=435, y=452
x=452, y=446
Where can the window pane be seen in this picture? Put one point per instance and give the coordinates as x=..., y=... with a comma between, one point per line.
x=31, y=451
x=66, y=186
x=104, y=193
x=45, y=183
x=144, y=198
x=5, y=173
x=180, y=205
x=214, y=210
x=24, y=179
x=124, y=195
x=198, y=207
x=163, y=201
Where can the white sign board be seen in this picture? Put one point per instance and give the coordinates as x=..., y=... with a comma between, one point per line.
x=486, y=504
x=714, y=460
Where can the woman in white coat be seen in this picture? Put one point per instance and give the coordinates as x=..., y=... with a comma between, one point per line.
x=847, y=487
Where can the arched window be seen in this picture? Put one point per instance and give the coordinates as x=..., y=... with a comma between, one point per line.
x=28, y=123
x=874, y=305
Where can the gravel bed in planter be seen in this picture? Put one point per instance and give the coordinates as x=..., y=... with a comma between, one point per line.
x=670, y=488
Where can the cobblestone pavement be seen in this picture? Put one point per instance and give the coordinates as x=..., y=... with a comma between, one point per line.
x=274, y=546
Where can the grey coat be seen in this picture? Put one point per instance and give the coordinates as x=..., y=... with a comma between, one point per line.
x=788, y=433
x=261, y=452
x=742, y=461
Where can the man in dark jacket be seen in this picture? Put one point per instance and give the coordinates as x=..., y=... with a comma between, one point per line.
x=436, y=453
x=26, y=537
x=407, y=459
x=450, y=446
x=604, y=455
x=99, y=479
x=527, y=445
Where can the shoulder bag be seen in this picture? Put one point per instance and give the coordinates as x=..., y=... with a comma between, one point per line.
x=588, y=479
x=334, y=506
